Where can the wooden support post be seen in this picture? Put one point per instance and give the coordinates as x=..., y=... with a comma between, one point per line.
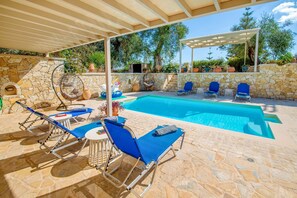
x=256, y=52
x=108, y=75
x=192, y=60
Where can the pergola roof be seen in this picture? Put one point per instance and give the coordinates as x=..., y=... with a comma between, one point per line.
x=236, y=37
x=53, y=25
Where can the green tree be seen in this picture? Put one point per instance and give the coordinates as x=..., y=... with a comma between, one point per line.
x=247, y=21
x=163, y=43
x=278, y=40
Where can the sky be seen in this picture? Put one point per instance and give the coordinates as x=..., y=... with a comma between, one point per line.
x=222, y=22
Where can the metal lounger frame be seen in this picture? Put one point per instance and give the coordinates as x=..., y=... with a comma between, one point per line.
x=111, y=159
x=61, y=142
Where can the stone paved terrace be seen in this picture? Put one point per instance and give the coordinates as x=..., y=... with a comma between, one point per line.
x=212, y=163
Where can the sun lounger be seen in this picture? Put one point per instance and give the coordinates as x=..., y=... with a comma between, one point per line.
x=243, y=92
x=148, y=150
x=62, y=142
x=187, y=89
x=213, y=89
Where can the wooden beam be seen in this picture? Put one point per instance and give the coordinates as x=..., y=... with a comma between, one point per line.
x=25, y=48
x=41, y=28
x=155, y=9
x=217, y=5
x=13, y=38
x=185, y=7
x=10, y=40
x=25, y=7
x=36, y=32
x=99, y=15
x=60, y=9
x=43, y=22
x=59, y=14
x=120, y=8
x=29, y=32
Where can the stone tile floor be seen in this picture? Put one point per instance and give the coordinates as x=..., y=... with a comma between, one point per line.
x=212, y=163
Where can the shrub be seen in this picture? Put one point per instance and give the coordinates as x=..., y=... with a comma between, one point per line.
x=171, y=68
x=286, y=58
x=208, y=63
x=238, y=63
x=98, y=58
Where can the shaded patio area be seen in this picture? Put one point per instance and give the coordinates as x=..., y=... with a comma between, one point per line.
x=213, y=162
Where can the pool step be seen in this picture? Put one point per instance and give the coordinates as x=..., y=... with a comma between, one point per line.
x=253, y=129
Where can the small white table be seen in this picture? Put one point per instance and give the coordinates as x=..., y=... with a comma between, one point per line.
x=229, y=92
x=64, y=120
x=200, y=90
x=99, y=146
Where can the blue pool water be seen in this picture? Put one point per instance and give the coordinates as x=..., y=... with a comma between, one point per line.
x=235, y=117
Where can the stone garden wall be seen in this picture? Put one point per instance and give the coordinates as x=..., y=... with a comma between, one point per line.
x=163, y=81
x=27, y=78
x=272, y=81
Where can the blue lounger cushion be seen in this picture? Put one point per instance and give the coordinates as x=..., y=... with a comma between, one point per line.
x=81, y=131
x=151, y=146
x=76, y=112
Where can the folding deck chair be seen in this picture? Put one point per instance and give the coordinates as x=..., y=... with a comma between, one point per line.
x=213, y=89
x=188, y=88
x=29, y=123
x=78, y=133
x=77, y=112
x=243, y=92
x=34, y=117
x=148, y=150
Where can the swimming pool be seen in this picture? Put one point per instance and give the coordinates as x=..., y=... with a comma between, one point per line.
x=246, y=119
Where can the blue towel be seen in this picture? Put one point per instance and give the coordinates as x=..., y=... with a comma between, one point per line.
x=165, y=130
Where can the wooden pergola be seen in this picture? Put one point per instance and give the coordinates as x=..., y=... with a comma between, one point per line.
x=48, y=26
x=236, y=37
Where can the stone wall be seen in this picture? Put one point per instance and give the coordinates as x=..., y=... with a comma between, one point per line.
x=163, y=81
x=31, y=76
x=272, y=81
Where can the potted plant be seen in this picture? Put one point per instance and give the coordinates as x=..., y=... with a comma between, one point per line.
x=244, y=68
x=195, y=66
x=231, y=69
x=116, y=108
x=217, y=69
x=96, y=59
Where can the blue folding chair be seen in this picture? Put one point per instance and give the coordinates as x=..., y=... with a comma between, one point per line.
x=62, y=143
x=243, y=92
x=77, y=112
x=213, y=89
x=30, y=123
x=187, y=89
x=147, y=150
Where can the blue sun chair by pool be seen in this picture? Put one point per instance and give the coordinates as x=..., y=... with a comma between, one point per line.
x=75, y=113
x=213, y=90
x=187, y=89
x=148, y=150
x=29, y=124
x=62, y=140
x=243, y=92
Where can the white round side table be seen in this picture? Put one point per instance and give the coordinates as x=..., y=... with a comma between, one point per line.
x=64, y=120
x=228, y=92
x=200, y=90
x=99, y=146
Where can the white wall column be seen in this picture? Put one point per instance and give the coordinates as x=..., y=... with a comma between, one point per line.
x=47, y=54
x=108, y=75
x=192, y=59
x=245, y=49
x=256, y=52
x=180, y=57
